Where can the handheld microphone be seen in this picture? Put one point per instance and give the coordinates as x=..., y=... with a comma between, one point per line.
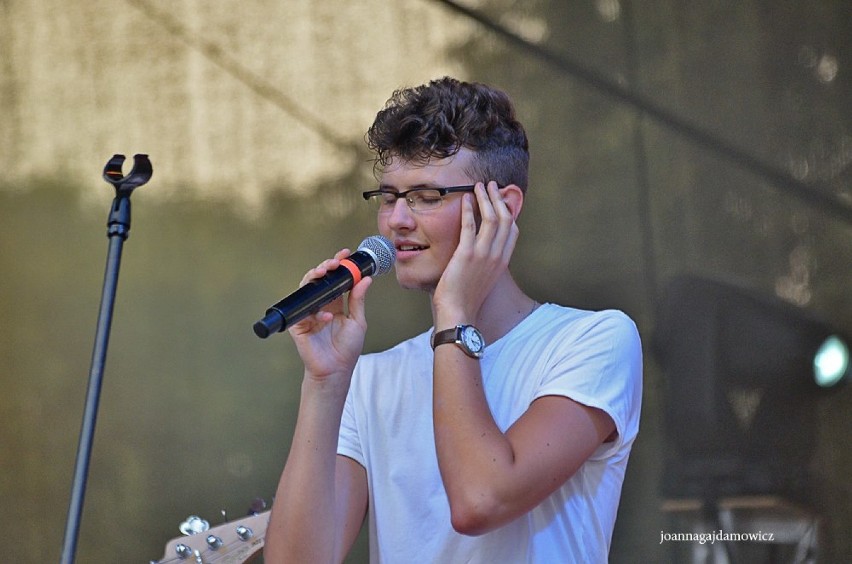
x=375, y=256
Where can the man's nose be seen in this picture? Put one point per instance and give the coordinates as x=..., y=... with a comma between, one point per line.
x=401, y=215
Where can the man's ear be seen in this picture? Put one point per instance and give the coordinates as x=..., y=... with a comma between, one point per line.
x=514, y=198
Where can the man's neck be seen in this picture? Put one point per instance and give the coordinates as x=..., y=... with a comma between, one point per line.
x=504, y=307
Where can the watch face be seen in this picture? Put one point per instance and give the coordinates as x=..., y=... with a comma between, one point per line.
x=472, y=339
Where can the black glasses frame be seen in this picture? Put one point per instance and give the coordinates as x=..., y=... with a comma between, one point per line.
x=443, y=191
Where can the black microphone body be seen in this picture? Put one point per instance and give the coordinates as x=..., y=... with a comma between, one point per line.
x=375, y=256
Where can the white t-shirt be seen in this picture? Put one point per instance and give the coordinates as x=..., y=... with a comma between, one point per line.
x=593, y=358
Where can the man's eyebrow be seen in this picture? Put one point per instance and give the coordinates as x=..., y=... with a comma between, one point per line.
x=393, y=188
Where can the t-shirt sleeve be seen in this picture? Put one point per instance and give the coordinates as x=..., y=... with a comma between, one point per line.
x=349, y=441
x=598, y=363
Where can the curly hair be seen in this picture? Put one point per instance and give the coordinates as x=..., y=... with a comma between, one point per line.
x=436, y=120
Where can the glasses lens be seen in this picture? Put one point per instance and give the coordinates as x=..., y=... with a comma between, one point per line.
x=383, y=201
x=420, y=200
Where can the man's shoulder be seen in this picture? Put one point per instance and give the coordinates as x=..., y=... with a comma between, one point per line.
x=586, y=319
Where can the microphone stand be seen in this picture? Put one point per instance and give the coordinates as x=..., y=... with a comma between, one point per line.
x=118, y=228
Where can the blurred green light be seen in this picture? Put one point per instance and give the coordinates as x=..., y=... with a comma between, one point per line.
x=831, y=362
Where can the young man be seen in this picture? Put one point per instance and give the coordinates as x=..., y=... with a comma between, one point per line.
x=455, y=452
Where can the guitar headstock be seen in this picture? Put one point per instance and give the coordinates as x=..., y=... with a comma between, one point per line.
x=235, y=542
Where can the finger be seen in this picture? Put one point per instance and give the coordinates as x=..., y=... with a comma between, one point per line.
x=473, y=222
x=467, y=235
x=358, y=299
x=511, y=240
x=497, y=199
x=496, y=220
x=324, y=267
x=318, y=271
x=494, y=204
x=495, y=214
x=498, y=204
x=311, y=323
x=486, y=205
x=508, y=228
x=342, y=254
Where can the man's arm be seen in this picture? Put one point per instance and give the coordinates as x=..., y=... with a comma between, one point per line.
x=490, y=477
x=322, y=497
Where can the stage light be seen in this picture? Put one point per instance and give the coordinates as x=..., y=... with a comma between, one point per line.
x=743, y=374
x=831, y=363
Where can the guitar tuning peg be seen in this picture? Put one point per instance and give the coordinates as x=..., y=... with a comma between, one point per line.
x=258, y=505
x=224, y=515
x=194, y=525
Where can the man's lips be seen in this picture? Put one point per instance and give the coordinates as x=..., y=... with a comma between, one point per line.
x=406, y=249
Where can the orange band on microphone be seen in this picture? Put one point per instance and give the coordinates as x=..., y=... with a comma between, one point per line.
x=353, y=269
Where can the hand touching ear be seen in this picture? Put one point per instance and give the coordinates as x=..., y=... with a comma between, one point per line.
x=482, y=255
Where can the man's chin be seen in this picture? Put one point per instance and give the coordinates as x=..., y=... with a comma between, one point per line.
x=408, y=283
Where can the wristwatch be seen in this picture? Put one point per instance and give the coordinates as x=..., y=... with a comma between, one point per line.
x=467, y=337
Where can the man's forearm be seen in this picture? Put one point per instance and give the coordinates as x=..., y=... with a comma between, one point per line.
x=301, y=524
x=473, y=453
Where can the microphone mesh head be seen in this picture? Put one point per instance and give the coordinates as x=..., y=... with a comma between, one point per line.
x=382, y=251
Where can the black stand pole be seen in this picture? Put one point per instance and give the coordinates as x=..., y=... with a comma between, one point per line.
x=118, y=228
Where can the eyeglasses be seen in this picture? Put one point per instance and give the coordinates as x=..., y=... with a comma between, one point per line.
x=418, y=199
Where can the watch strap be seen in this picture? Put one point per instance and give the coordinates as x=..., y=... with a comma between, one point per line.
x=447, y=336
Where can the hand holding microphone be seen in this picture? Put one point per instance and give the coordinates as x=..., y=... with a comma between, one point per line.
x=375, y=256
